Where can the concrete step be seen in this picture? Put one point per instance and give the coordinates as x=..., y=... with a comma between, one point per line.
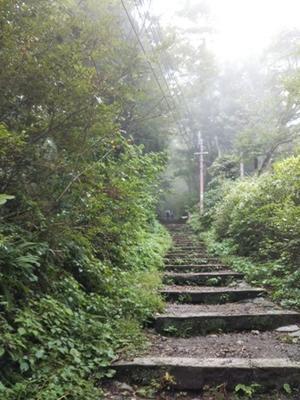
x=195, y=373
x=202, y=323
x=185, y=249
x=185, y=238
x=191, y=259
x=190, y=242
x=188, y=245
x=194, y=267
x=187, y=254
x=201, y=278
x=209, y=295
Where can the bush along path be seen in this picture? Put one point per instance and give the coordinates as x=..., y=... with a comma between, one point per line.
x=217, y=333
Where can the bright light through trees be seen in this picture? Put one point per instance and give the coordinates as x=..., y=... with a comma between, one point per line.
x=242, y=27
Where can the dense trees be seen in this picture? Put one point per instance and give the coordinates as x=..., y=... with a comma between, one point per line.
x=79, y=246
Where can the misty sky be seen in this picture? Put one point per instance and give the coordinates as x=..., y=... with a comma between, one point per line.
x=243, y=27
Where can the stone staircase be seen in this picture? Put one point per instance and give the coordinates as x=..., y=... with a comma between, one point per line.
x=215, y=329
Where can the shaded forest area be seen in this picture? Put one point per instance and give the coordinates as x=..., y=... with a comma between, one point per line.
x=100, y=110
x=80, y=245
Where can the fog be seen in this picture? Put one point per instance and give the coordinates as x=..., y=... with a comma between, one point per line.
x=242, y=28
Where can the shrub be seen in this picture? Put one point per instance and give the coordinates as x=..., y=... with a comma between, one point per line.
x=262, y=214
x=256, y=229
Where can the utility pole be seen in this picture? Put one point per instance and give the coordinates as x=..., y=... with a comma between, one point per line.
x=242, y=167
x=201, y=154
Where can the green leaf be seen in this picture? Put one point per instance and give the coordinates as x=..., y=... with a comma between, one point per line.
x=24, y=366
x=40, y=353
x=4, y=198
x=2, y=387
x=287, y=388
x=21, y=331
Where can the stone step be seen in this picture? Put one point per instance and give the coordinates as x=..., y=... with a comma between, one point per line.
x=201, y=278
x=187, y=259
x=187, y=242
x=193, y=244
x=184, y=238
x=194, y=267
x=186, y=245
x=186, y=248
x=185, y=253
x=202, y=323
x=193, y=241
x=266, y=344
x=195, y=373
x=209, y=295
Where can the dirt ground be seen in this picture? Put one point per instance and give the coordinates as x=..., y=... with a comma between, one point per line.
x=226, y=309
x=232, y=345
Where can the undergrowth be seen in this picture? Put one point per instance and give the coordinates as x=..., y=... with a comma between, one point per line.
x=58, y=342
x=274, y=276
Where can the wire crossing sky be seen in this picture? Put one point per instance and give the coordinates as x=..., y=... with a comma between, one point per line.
x=243, y=28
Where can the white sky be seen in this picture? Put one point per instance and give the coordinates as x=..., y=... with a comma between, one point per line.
x=244, y=27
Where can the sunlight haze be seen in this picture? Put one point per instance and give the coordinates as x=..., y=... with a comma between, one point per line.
x=243, y=28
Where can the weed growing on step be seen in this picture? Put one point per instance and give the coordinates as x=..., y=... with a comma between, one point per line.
x=185, y=298
x=247, y=390
x=171, y=330
x=213, y=281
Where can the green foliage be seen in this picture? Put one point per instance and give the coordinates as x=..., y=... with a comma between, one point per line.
x=59, y=333
x=222, y=172
x=256, y=229
x=261, y=214
x=287, y=388
x=4, y=198
x=225, y=167
x=247, y=390
x=80, y=250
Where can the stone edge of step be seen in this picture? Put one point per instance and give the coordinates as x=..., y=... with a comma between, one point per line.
x=219, y=290
x=203, y=274
x=211, y=362
x=201, y=315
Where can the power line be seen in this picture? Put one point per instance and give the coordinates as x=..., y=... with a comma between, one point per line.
x=153, y=71
x=157, y=37
x=145, y=53
x=146, y=14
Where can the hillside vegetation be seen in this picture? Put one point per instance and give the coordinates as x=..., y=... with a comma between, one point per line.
x=254, y=223
x=79, y=245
